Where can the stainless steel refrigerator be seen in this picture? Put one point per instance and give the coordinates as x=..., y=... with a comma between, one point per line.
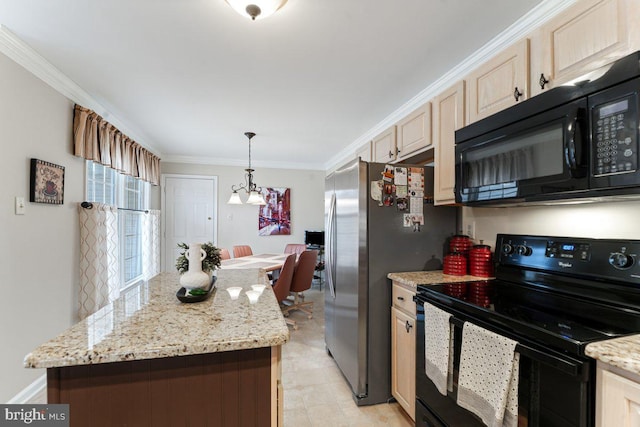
x=364, y=242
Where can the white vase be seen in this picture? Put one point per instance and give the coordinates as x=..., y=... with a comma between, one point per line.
x=195, y=278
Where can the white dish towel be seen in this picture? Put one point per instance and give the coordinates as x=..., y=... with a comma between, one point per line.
x=488, y=377
x=437, y=346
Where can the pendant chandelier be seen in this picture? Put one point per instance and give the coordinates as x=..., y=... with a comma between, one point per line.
x=250, y=187
x=256, y=9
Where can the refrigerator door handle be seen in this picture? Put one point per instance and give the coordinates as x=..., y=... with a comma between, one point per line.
x=330, y=252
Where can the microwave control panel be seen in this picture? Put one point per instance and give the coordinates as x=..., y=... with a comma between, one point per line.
x=615, y=137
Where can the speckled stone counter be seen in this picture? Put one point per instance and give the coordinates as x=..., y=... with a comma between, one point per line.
x=414, y=278
x=623, y=353
x=149, y=322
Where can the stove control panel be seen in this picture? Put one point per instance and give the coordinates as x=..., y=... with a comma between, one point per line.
x=568, y=250
x=613, y=259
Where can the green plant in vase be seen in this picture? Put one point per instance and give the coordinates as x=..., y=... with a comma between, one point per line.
x=209, y=264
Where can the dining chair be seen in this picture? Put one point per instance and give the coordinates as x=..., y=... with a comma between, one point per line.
x=295, y=248
x=242, y=250
x=302, y=278
x=224, y=253
x=282, y=286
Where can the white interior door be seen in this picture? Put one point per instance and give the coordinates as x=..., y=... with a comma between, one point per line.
x=189, y=213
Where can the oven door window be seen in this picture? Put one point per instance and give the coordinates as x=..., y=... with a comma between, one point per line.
x=541, y=155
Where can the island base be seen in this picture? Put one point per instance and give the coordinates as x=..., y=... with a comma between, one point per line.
x=235, y=388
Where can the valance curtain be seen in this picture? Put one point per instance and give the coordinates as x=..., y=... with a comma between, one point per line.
x=98, y=140
x=99, y=267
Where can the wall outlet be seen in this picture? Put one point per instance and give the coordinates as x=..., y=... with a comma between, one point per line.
x=471, y=230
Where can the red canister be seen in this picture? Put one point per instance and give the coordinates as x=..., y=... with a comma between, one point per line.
x=481, y=261
x=455, y=264
x=460, y=243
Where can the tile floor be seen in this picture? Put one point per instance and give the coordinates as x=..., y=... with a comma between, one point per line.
x=315, y=392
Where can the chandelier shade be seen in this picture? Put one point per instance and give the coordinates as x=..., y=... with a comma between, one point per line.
x=250, y=187
x=256, y=9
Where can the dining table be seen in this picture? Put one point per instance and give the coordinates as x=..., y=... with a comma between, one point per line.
x=267, y=262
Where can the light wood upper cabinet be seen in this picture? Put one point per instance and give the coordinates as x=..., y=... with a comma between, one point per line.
x=448, y=116
x=414, y=131
x=383, y=146
x=364, y=152
x=588, y=35
x=499, y=83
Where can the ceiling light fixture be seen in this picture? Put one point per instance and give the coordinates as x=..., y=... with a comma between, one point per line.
x=255, y=192
x=256, y=9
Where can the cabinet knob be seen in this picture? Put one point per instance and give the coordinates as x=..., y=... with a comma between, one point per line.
x=408, y=326
x=517, y=94
x=390, y=154
x=543, y=81
x=401, y=298
x=397, y=151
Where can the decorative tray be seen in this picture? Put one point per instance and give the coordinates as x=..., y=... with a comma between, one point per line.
x=184, y=297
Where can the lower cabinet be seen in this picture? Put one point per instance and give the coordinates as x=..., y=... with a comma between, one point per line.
x=403, y=349
x=617, y=397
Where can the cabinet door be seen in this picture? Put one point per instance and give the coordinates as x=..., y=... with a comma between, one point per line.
x=618, y=401
x=414, y=131
x=364, y=152
x=383, y=146
x=500, y=82
x=588, y=35
x=403, y=360
x=448, y=116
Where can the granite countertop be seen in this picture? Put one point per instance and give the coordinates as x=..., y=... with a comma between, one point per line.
x=415, y=278
x=148, y=322
x=621, y=352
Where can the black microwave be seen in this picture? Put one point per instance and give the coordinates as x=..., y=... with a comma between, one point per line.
x=579, y=140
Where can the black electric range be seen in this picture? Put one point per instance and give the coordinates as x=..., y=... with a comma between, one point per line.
x=554, y=296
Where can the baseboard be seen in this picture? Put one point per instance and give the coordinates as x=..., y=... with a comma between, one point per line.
x=31, y=391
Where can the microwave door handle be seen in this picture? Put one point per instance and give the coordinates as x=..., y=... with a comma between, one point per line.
x=573, y=144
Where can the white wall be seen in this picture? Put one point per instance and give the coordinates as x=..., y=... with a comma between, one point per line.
x=39, y=251
x=616, y=220
x=238, y=224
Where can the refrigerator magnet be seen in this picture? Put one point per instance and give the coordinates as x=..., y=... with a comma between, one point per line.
x=401, y=203
x=376, y=191
x=387, y=174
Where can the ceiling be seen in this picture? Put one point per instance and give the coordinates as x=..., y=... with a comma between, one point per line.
x=189, y=77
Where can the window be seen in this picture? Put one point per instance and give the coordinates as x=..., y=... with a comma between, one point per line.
x=131, y=196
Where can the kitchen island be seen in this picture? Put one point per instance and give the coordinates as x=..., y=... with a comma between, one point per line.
x=149, y=360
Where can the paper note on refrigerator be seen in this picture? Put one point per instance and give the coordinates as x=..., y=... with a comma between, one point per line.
x=416, y=182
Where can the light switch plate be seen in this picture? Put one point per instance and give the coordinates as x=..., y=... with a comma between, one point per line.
x=20, y=206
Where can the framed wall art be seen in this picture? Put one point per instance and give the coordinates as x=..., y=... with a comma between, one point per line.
x=275, y=217
x=47, y=183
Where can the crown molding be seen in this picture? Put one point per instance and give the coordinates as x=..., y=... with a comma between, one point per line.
x=532, y=20
x=23, y=54
x=263, y=164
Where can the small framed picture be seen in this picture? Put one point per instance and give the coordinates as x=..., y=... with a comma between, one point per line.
x=47, y=183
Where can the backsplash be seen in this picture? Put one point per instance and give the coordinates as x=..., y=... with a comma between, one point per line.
x=617, y=220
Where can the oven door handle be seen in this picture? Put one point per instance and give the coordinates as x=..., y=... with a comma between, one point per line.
x=571, y=367
x=565, y=364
